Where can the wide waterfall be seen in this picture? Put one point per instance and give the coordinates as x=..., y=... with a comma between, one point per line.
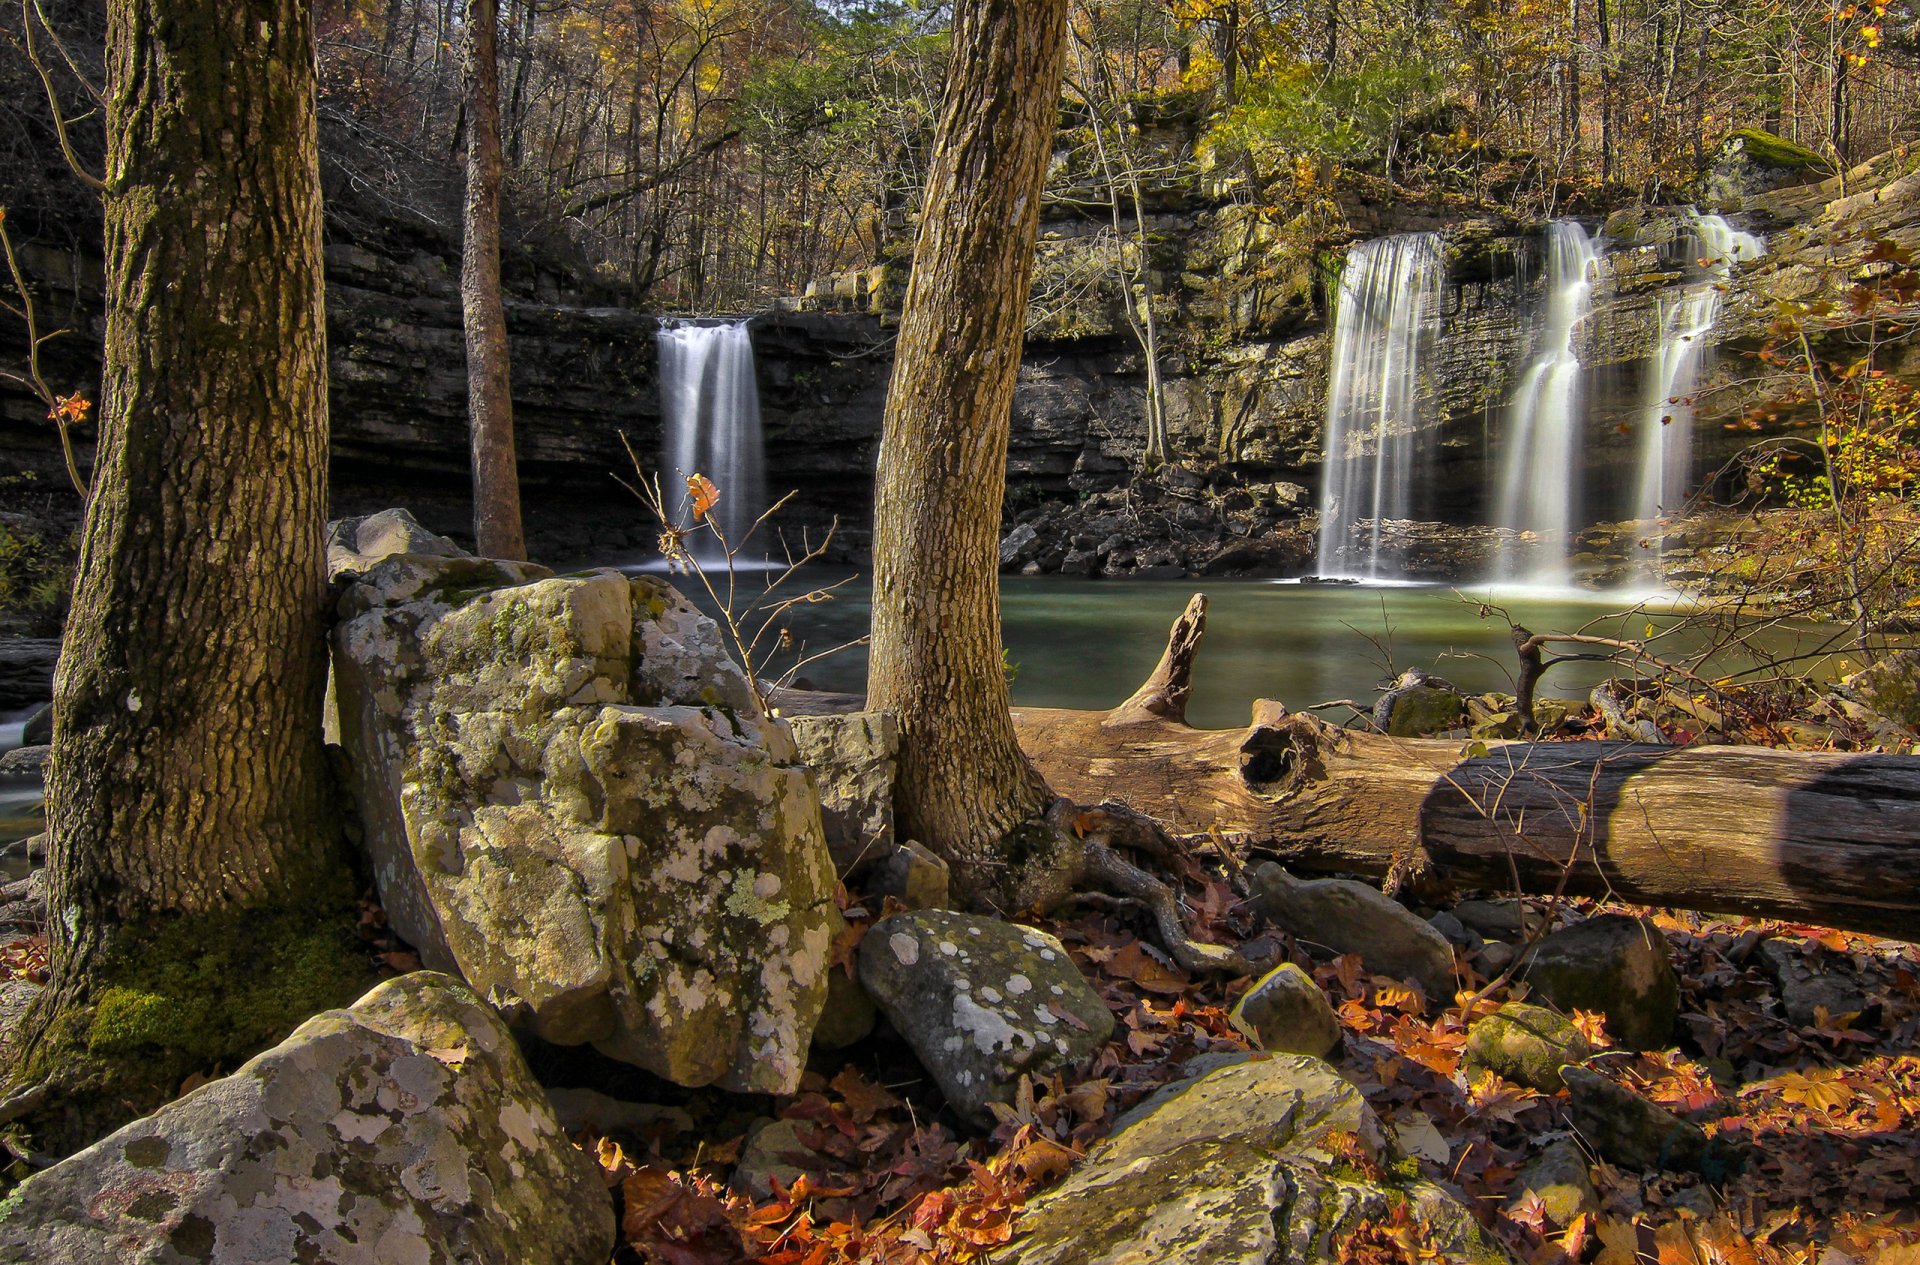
x=1666, y=433
x=711, y=404
x=1540, y=447
x=1387, y=318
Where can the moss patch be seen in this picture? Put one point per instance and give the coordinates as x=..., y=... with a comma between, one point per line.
x=1777, y=151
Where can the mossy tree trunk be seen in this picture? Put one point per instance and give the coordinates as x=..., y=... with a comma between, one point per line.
x=195, y=849
x=936, y=659
x=496, y=474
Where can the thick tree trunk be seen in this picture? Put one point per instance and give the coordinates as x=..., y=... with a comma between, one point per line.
x=1812, y=837
x=936, y=657
x=188, y=795
x=496, y=474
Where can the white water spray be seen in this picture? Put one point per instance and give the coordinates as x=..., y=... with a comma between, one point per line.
x=1387, y=318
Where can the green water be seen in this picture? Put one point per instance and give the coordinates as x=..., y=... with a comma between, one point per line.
x=1089, y=643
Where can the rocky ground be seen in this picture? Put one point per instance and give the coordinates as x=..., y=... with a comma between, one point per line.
x=681, y=1041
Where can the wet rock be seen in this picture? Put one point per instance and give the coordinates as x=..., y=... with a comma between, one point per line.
x=981, y=1002
x=1497, y=919
x=354, y=545
x=855, y=756
x=1634, y=1133
x=1287, y=1012
x=1350, y=917
x=1614, y=964
x=405, y=1128
x=569, y=795
x=1560, y=1179
x=1236, y=1167
x=1526, y=1044
x=1807, y=985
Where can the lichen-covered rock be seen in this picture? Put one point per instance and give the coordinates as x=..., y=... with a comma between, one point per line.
x=1636, y=1133
x=1286, y=1012
x=1526, y=1044
x=1616, y=965
x=1239, y=1166
x=981, y=1002
x=1350, y=917
x=404, y=1130
x=571, y=798
x=854, y=756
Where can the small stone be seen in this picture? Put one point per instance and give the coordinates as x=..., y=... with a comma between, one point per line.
x=1455, y=931
x=1497, y=919
x=1350, y=917
x=1632, y=1132
x=1287, y=1012
x=1561, y=1179
x=1891, y=687
x=1526, y=1044
x=1495, y=957
x=1616, y=965
x=1809, y=985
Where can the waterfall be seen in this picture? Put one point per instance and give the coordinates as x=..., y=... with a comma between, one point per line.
x=1666, y=430
x=711, y=404
x=1540, y=448
x=1387, y=318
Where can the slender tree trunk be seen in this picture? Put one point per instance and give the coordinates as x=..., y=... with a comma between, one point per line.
x=964, y=787
x=496, y=474
x=190, y=811
x=1603, y=20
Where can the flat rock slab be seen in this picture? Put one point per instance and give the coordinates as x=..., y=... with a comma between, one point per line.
x=404, y=1130
x=982, y=1002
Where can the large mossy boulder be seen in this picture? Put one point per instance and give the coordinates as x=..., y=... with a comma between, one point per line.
x=982, y=1002
x=571, y=797
x=1617, y=965
x=1250, y=1164
x=404, y=1129
x=1890, y=688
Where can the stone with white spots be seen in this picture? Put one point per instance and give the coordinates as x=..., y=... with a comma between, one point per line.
x=981, y=1002
x=404, y=1130
x=570, y=798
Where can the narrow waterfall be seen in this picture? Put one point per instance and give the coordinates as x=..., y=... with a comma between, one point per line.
x=1385, y=323
x=1540, y=447
x=1666, y=429
x=711, y=405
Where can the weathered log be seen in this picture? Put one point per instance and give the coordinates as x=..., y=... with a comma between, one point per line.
x=1814, y=837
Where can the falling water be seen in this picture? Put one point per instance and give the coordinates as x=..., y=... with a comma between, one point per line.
x=1666, y=432
x=711, y=404
x=1540, y=450
x=1388, y=315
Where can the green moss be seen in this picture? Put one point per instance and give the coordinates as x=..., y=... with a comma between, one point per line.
x=1776, y=151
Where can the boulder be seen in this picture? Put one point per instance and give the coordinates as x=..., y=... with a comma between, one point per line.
x=854, y=755
x=848, y=1015
x=982, y=1002
x=1890, y=687
x=1350, y=917
x=915, y=877
x=38, y=730
x=1808, y=985
x=1560, y=1179
x=405, y=1128
x=354, y=545
x=1424, y=709
x=1526, y=1044
x=570, y=796
x=1286, y=1012
x=1616, y=965
x=1241, y=1166
x=1633, y=1132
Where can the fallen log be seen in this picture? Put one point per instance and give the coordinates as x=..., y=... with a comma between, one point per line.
x=1815, y=837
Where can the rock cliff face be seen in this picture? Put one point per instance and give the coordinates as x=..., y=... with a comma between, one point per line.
x=1244, y=299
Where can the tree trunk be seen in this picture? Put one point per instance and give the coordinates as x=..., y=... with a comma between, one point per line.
x=496, y=475
x=189, y=808
x=1804, y=836
x=936, y=659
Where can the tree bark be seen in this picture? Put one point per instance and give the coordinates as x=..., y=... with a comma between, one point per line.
x=936, y=660
x=496, y=474
x=188, y=795
x=1804, y=836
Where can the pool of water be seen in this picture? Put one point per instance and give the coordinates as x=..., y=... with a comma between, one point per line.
x=21, y=810
x=1089, y=643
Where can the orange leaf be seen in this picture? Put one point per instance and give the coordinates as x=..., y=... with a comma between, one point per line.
x=703, y=494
